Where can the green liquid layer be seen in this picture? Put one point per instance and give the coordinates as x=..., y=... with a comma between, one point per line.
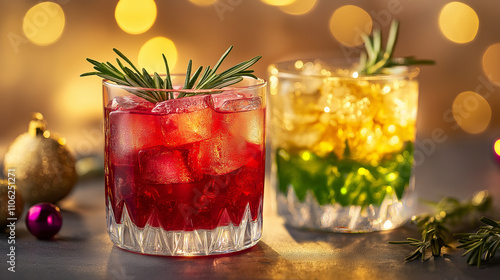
x=344, y=181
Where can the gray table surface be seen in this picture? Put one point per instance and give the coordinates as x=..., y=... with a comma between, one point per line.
x=82, y=249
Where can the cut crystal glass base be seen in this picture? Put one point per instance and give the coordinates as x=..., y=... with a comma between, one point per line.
x=337, y=218
x=157, y=241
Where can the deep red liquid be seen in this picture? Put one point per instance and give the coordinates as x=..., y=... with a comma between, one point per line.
x=184, y=171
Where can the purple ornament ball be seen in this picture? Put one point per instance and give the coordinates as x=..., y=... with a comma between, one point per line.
x=44, y=220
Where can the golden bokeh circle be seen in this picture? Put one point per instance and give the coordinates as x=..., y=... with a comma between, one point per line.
x=458, y=22
x=203, y=2
x=491, y=63
x=150, y=55
x=471, y=112
x=44, y=23
x=278, y=2
x=135, y=16
x=299, y=7
x=74, y=105
x=347, y=24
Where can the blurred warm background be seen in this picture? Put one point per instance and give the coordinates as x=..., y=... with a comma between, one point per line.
x=44, y=44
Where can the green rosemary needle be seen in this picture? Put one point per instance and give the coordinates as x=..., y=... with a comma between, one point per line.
x=210, y=79
x=375, y=59
x=482, y=245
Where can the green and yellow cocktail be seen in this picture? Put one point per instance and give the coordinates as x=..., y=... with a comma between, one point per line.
x=342, y=145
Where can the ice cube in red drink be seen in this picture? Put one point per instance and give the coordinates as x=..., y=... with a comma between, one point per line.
x=131, y=132
x=247, y=125
x=183, y=105
x=219, y=98
x=222, y=153
x=130, y=102
x=164, y=165
x=185, y=120
x=248, y=118
x=235, y=102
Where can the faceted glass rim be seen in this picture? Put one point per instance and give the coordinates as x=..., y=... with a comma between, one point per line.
x=286, y=69
x=259, y=83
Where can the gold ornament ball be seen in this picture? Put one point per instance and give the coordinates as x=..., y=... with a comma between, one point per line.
x=44, y=167
x=11, y=201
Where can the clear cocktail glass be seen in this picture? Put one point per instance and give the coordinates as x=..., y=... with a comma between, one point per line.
x=185, y=177
x=342, y=145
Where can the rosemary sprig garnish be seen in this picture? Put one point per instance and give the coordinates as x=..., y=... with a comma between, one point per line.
x=482, y=245
x=375, y=59
x=434, y=237
x=142, y=79
x=434, y=227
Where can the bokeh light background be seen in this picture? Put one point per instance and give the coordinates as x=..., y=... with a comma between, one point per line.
x=43, y=46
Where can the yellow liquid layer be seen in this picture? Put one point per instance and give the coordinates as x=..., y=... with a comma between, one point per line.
x=373, y=117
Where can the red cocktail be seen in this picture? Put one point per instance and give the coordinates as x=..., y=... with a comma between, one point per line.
x=185, y=176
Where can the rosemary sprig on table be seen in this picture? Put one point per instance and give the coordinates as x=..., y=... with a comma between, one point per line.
x=142, y=79
x=375, y=60
x=482, y=245
x=434, y=227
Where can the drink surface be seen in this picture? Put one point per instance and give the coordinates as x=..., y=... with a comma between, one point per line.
x=345, y=140
x=185, y=164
